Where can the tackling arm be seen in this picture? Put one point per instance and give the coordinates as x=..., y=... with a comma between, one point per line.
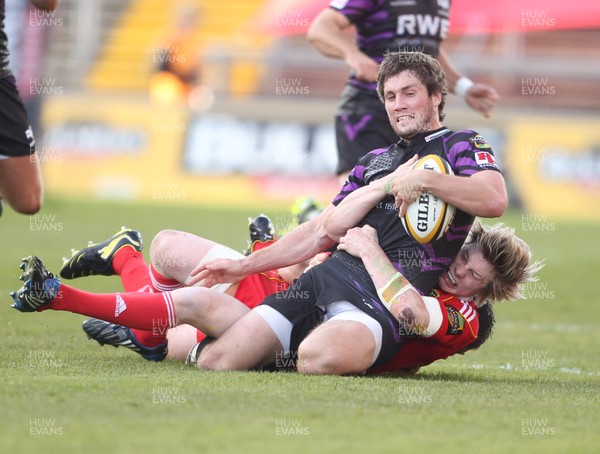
x=301, y=244
x=402, y=300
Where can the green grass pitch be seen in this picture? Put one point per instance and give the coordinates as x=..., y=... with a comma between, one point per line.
x=533, y=388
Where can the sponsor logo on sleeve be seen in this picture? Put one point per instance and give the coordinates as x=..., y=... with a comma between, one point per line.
x=485, y=159
x=456, y=322
x=479, y=142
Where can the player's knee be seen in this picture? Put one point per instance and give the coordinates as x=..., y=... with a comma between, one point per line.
x=307, y=360
x=208, y=360
x=192, y=304
x=337, y=349
x=161, y=244
x=162, y=240
x=314, y=359
x=214, y=358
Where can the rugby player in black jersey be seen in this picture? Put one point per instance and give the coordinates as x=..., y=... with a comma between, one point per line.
x=358, y=331
x=360, y=120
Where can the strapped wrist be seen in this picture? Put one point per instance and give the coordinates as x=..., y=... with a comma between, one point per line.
x=383, y=291
x=462, y=86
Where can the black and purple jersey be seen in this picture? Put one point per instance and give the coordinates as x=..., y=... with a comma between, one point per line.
x=422, y=264
x=344, y=277
x=397, y=25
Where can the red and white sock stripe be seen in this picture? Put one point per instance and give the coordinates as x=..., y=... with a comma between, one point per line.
x=161, y=283
x=172, y=320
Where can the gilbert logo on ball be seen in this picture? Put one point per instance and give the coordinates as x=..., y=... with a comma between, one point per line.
x=428, y=217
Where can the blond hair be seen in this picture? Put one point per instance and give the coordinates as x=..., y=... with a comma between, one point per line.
x=511, y=258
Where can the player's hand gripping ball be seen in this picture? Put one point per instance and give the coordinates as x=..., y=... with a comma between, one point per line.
x=428, y=217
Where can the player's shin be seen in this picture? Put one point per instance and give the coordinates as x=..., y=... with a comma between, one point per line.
x=145, y=311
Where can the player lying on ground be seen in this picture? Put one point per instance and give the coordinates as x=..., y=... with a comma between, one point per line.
x=364, y=333
x=417, y=351
x=378, y=190
x=455, y=328
x=152, y=345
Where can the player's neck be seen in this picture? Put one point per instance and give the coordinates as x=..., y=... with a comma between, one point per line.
x=405, y=141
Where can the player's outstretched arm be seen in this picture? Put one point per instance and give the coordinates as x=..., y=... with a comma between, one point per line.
x=301, y=244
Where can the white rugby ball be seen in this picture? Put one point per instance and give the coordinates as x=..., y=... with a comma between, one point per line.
x=428, y=217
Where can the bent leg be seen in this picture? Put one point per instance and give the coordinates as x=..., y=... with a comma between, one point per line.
x=337, y=348
x=21, y=183
x=348, y=342
x=248, y=344
x=174, y=254
x=203, y=309
x=210, y=311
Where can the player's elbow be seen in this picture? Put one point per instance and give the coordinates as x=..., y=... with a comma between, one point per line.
x=411, y=313
x=492, y=198
x=333, y=228
x=27, y=204
x=312, y=35
x=495, y=207
x=322, y=32
x=314, y=32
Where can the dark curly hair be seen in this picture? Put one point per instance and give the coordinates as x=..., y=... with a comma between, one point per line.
x=424, y=67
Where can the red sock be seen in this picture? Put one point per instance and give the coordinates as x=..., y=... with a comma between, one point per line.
x=161, y=283
x=144, y=277
x=152, y=312
x=129, y=264
x=135, y=276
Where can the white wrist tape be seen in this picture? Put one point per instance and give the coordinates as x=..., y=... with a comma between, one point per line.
x=381, y=292
x=462, y=86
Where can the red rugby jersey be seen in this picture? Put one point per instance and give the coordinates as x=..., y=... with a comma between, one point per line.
x=459, y=328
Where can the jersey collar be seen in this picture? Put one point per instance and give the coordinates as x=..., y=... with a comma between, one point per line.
x=427, y=136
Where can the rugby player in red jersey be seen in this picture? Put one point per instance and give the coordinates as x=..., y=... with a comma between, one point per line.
x=359, y=332
x=481, y=270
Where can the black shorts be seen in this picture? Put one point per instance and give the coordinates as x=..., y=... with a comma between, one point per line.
x=341, y=278
x=361, y=125
x=16, y=136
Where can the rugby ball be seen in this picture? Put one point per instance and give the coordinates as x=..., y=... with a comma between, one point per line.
x=428, y=217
